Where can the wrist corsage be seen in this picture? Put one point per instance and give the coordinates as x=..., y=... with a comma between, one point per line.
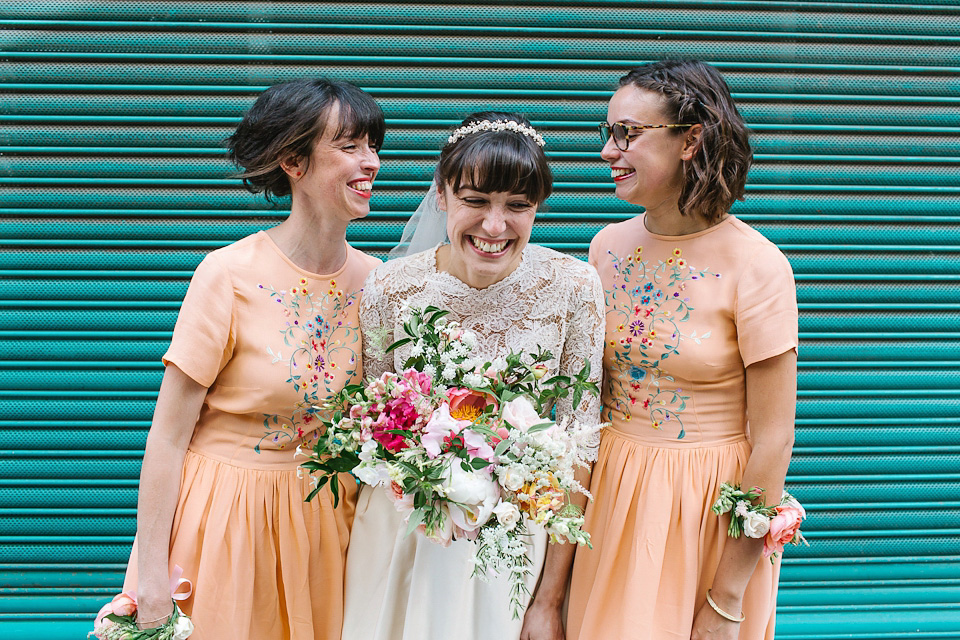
x=777, y=525
x=117, y=620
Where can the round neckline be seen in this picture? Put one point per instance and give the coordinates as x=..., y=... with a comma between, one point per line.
x=293, y=265
x=446, y=274
x=686, y=236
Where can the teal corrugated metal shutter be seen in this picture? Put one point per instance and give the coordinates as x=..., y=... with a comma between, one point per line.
x=114, y=186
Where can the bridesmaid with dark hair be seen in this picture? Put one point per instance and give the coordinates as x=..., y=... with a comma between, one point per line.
x=700, y=369
x=265, y=321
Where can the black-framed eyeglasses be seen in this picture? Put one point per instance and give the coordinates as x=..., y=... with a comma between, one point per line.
x=622, y=132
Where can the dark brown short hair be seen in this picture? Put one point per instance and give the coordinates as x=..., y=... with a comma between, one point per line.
x=696, y=93
x=286, y=121
x=496, y=161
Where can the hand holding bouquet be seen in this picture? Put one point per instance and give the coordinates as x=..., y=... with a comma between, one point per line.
x=463, y=447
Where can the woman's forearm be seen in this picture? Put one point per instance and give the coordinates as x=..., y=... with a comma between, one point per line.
x=178, y=405
x=771, y=402
x=157, y=502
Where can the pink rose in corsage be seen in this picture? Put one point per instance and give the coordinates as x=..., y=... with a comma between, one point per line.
x=784, y=528
x=778, y=525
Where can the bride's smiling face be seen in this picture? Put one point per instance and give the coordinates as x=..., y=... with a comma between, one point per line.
x=487, y=231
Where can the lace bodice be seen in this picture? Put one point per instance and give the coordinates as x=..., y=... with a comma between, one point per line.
x=550, y=300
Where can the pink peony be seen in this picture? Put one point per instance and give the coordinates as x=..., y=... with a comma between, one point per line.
x=467, y=404
x=784, y=528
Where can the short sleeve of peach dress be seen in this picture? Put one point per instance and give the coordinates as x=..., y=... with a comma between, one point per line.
x=685, y=316
x=264, y=336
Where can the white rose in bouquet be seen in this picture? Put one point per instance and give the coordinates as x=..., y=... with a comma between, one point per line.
x=512, y=477
x=507, y=514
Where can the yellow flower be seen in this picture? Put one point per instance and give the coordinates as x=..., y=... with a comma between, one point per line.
x=677, y=252
x=303, y=281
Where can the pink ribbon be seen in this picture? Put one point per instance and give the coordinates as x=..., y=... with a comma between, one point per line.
x=176, y=581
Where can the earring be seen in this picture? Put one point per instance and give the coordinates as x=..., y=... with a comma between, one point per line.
x=299, y=173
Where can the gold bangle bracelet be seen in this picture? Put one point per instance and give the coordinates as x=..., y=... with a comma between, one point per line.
x=723, y=613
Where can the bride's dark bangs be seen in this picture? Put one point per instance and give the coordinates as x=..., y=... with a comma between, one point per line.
x=498, y=162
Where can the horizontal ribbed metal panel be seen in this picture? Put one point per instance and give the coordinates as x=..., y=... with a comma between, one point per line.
x=113, y=186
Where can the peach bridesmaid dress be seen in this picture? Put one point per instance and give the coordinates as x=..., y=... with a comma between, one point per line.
x=685, y=316
x=263, y=334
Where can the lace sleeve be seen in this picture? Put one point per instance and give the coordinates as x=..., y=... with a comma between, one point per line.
x=376, y=326
x=584, y=343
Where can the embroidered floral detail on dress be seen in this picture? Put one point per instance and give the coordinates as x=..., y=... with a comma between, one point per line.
x=325, y=347
x=646, y=308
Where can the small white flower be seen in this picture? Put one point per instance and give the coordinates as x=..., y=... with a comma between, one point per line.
x=742, y=508
x=473, y=380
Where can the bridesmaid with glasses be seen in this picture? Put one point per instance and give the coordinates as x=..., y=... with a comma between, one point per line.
x=699, y=373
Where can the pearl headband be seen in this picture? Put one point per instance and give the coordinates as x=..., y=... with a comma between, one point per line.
x=499, y=125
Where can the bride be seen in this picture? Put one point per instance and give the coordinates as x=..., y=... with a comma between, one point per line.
x=491, y=178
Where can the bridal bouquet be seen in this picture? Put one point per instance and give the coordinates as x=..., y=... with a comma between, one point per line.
x=464, y=448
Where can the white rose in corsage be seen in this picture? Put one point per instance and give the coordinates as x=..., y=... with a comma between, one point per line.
x=755, y=525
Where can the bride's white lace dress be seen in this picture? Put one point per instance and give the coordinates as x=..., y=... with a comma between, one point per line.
x=406, y=587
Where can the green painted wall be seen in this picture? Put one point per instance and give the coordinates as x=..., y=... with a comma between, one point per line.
x=113, y=186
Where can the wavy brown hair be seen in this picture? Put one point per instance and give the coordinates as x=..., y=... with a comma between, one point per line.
x=695, y=93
